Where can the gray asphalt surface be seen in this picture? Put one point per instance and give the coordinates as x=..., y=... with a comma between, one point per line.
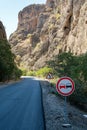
x=21, y=106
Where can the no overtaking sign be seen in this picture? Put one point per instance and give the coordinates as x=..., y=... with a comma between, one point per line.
x=65, y=86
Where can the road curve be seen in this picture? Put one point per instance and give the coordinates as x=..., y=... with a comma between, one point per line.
x=21, y=106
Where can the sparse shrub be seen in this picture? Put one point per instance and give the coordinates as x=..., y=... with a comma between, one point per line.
x=29, y=35
x=24, y=71
x=31, y=73
x=44, y=71
x=51, y=26
x=57, y=15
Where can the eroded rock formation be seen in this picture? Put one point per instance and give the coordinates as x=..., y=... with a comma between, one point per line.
x=47, y=30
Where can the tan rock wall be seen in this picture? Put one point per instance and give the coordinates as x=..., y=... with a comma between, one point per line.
x=60, y=25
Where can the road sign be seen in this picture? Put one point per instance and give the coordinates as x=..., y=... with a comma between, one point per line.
x=65, y=86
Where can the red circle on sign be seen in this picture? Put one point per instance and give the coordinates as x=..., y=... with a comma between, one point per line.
x=72, y=86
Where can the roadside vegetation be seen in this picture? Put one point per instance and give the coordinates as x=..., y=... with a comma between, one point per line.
x=8, y=68
x=67, y=64
x=43, y=72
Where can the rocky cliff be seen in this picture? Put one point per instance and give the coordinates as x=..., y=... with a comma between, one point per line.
x=2, y=31
x=46, y=30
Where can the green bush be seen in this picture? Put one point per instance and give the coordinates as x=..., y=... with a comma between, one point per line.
x=39, y=73
x=31, y=73
x=67, y=64
x=44, y=71
x=24, y=71
x=8, y=68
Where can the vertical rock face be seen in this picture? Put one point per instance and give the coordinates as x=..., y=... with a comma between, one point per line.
x=77, y=37
x=47, y=30
x=2, y=31
x=28, y=17
x=27, y=22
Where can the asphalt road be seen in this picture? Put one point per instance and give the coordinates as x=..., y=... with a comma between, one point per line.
x=21, y=106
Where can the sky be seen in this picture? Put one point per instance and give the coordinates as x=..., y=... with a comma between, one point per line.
x=9, y=10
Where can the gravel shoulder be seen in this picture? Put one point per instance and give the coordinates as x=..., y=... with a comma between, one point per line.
x=54, y=110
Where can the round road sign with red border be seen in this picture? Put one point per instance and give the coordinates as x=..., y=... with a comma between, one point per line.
x=65, y=86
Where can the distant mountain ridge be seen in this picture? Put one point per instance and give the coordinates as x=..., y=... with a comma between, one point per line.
x=46, y=30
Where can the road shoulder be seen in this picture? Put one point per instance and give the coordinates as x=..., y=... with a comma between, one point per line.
x=54, y=108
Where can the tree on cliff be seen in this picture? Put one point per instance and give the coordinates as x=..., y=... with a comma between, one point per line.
x=8, y=68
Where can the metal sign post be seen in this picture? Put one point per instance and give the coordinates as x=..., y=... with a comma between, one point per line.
x=65, y=86
x=66, y=111
x=66, y=124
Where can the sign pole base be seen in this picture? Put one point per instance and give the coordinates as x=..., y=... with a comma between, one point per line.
x=66, y=115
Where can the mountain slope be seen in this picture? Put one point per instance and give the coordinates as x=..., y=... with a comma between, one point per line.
x=47, y=30
x=8, y=68
x=2, y=31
